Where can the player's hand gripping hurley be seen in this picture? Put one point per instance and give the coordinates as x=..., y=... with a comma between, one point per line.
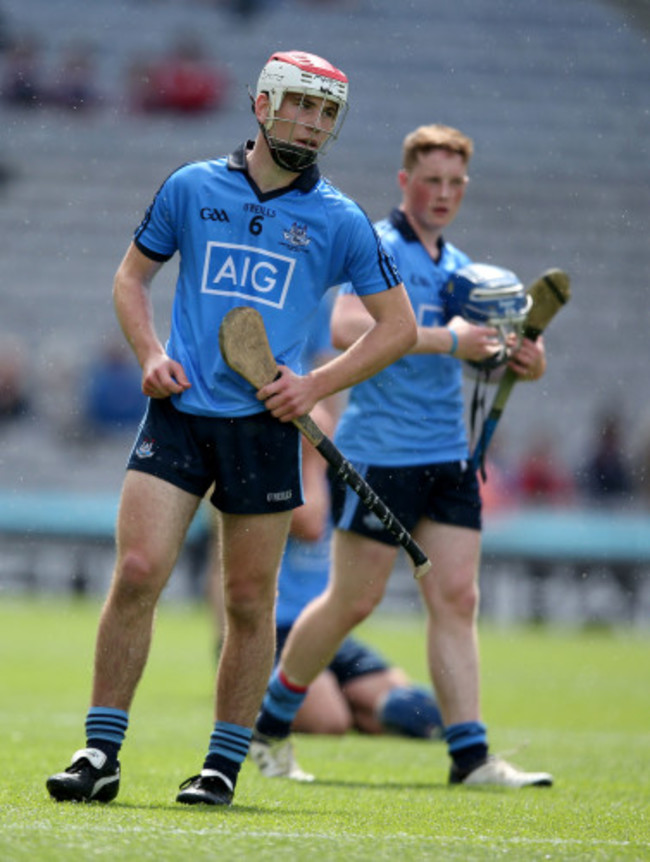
x=549, y=293
x=245, y=348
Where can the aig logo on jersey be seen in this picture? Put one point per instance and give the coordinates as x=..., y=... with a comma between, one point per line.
x=247, y=272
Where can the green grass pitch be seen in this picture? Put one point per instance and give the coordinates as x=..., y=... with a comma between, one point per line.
x=573, y=703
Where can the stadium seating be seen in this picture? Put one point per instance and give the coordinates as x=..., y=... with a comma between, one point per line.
x=554, y=95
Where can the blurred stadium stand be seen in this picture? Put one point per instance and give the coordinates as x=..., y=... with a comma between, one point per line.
x=555, y=94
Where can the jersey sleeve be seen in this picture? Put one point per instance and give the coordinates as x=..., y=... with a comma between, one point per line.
x=366, y=264
x=155, y=237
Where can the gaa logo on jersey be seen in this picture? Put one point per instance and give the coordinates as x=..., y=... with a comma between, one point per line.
x=247, y=272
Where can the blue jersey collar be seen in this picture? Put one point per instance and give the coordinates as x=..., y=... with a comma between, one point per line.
x=304, y=182
x=401, y=224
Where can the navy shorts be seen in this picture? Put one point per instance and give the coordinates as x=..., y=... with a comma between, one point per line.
x=447, y=493
x=253, y=461
x=352, y=660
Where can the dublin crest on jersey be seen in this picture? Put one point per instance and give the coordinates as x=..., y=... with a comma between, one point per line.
x=296, y=236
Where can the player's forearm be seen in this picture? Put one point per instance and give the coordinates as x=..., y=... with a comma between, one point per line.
x=350, y=321
x=434, y=339
x=135, y=315
x=354, y=317
x=380, y=346
x=131, y=298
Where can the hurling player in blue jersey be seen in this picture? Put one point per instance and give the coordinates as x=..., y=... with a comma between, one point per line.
x=404, y=430
x=258, y=228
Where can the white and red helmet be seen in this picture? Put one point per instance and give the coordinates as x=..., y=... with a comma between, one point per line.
x=309, y=75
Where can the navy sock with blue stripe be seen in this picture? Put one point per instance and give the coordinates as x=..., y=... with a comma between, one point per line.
x=229, y=744
x=105, y=729
x=281, y=702
x=467, y=745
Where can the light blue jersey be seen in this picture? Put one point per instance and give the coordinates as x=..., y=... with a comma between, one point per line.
x=278, y=252
x=303, y=576
x=413, y=411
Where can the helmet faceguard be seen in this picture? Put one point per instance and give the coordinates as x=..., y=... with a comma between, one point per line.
x=487, y=295
x=308, y=76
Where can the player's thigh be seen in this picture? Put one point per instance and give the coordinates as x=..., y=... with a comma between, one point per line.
x=152, y=522
x=361, y=566
x=325, y=709
x=455, y=553
x=251, y=550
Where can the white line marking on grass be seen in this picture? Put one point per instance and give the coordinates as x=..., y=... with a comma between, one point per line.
x=342, y=838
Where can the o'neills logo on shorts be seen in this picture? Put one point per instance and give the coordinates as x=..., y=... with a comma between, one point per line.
x=278, y=496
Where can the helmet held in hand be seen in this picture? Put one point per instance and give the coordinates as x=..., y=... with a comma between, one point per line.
x=487, y=295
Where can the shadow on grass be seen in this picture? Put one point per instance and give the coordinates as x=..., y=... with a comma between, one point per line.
x=175, y=807
x=382, y=785
x=286, y=808
x=205, y=812
x=429, y=785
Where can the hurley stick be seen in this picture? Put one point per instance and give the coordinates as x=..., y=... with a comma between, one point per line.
x=549, y=293
x=245, y=348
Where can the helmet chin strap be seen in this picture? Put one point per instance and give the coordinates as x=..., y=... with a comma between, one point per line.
x=288, y=156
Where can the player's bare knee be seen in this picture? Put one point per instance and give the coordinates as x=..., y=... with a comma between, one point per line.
x=348, y=610
x=453, y=600
x=462, y=601
x=363, y=606
x=137, y=575
x=246, y=604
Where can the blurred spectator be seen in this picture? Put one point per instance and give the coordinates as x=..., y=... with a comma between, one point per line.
x=499, y=490
x=606, y=475
x=246, y=8
x=325, y=3
x=243, y=9
x=543, y=478
x=74, y=85
x=183, y=81
x=5, y=33
x=6, y=173
x=15, y=401
x=113, y=399
x=642, y=461
x=22, y=83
